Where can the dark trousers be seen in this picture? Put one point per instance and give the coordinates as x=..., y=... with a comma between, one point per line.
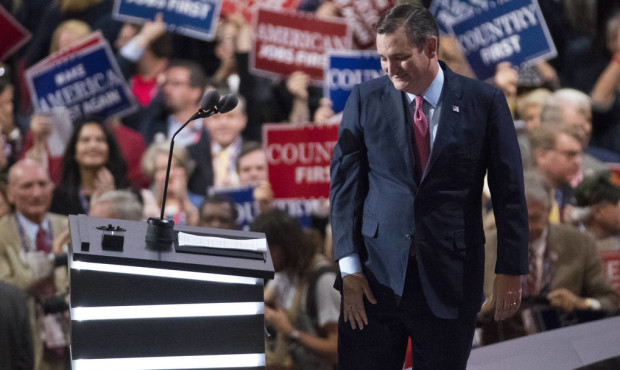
x=382, y=344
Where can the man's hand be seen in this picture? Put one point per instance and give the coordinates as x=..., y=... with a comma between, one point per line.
x=354, y=288
x=567, y=300
x=506, y=296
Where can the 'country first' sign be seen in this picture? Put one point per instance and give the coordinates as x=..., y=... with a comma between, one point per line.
x=285, y=42
x=298, y=159
x=504, y=30
x=345, y=69
x=193, y=18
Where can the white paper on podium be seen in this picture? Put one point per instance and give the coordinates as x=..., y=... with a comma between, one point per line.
x=253, y=245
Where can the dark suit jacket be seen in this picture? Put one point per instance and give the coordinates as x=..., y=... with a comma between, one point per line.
x=377, y=207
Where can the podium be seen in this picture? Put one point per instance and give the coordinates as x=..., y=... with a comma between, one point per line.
x=135, y=308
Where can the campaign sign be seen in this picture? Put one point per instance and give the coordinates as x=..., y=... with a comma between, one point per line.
x=448, y=12
x=86, y=82
x=510, y=30
x=193, y=18
x=346, y=69
x=362, y=16
x=243, y=198
x=285, y=42
x=14, y=35
x=246, y=7
x=611, y=266
x=298, y=159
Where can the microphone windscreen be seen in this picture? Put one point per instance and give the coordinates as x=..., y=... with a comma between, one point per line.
x=228, y=103
x=209, y=99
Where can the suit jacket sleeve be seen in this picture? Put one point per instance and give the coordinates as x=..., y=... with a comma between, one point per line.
x=595, y=284
x=349, y=181
x=505, y=177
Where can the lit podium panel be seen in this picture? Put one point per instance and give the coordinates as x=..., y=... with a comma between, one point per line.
x=135, y=308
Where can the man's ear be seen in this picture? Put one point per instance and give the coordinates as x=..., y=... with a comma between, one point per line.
x=430, y=47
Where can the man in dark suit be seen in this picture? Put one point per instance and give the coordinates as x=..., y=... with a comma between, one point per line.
x=407, y=177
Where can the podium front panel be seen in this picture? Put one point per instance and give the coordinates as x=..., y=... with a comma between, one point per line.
x=142, y=309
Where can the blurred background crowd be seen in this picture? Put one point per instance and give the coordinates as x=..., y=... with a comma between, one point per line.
x=567, y=116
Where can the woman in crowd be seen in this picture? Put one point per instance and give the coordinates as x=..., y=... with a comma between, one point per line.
x=180, y=202
x=92, y=165
x=301, y=306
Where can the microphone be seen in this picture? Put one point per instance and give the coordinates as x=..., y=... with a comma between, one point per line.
x=208, y=102
x=160, y=231
x=228, y=103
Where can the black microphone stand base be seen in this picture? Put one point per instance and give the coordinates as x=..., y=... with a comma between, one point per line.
x=159, y=234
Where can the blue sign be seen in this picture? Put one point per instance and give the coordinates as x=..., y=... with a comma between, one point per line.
x=507, y=31
x=87, y=82
x=193, y=18
x=248, y=208
x=346, y=69
x=448, y=12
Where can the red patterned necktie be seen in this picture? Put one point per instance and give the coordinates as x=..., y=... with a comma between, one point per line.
x=422, y=147
x=41, y=241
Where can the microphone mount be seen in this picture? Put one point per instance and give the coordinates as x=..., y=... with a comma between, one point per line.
x=160, y=231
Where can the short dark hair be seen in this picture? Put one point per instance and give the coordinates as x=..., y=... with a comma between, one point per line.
x=603, y=186
x=220, y=199
x=197, y=77
x=418, y=22
x=247, y=148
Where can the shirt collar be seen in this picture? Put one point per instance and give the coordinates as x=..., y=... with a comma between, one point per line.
x=433, y=93
x=31, y=228
x=538, y=245
x=232, y=148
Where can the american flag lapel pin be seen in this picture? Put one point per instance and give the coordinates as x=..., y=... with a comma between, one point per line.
x=455, y=108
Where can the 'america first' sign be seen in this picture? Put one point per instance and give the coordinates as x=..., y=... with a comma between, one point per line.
x=285, y=42
x=508, y=30
x=193, y=18
x=346, y=69
x=298, y=159
x=87, y=81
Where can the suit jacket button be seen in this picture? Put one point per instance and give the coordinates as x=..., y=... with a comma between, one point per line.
x=408, y=236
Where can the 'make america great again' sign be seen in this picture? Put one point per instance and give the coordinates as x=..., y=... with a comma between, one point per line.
x=285, y=42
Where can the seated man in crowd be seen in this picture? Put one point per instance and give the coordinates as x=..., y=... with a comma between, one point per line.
x=598, y=204
x=31, y=241
x=564, y=269
x=252, y=170
x=556, y=154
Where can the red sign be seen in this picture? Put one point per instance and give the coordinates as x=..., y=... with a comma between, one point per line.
x=14, y=35
x=247, y=6
x=298, y=158
x=285, y=42
x=362, y=16
x=611, y=266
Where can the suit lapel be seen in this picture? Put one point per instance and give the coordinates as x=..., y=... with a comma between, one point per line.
x=450, y=115
x=397, y=117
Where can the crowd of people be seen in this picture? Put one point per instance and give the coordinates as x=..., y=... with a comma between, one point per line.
x=567, y=116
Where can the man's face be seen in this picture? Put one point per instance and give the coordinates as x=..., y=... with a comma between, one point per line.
x=30, y=191
x=538, y=218
x=226, y=128
x=252, y=167
x=561, y=164
x=178, y=93
x=572, y=116
x=410, y=68
x=217, y=215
